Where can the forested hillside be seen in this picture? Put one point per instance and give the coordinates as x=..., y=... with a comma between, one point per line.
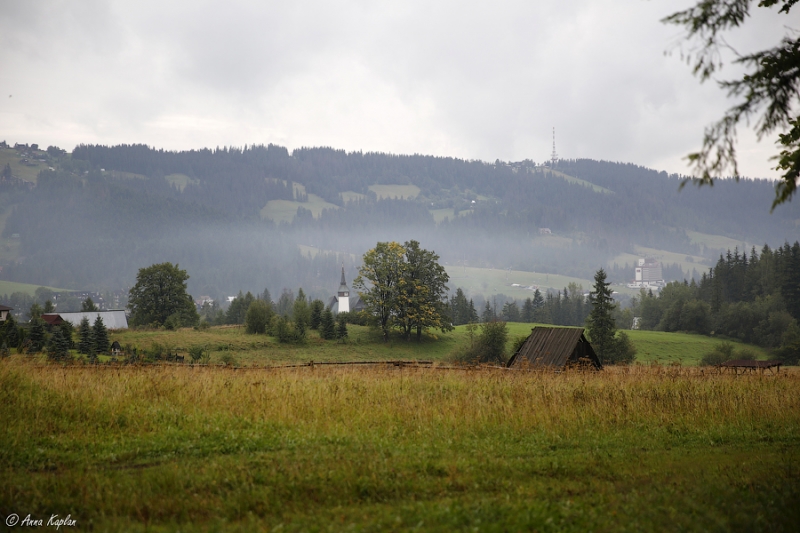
x=234, y=217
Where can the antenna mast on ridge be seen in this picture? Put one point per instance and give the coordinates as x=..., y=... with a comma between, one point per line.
x=554, y=155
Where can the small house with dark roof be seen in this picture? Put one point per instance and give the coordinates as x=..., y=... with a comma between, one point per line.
x=4, y=310
x=555, y=349
x=345, y=301
x=52, y=319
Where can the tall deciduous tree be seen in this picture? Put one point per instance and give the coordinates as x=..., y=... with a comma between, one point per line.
x=379, y=278
x=258, y=317
x=404, y=285
x=601, y=321
x=422, y=291
x=159, y=293
x=771, y=81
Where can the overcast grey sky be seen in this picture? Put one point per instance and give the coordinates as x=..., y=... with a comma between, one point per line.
x=477, y=80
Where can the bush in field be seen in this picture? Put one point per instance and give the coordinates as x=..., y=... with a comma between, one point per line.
x=789, y=351
x=228, y=359
x=258, y=317
x=622, y=351
x=285, y=332
x=196, y=353
x=490, y=346
x=721, y=353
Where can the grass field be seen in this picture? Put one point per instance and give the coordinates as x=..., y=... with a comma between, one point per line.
x=686, y=262
x=406, y=192
x=488, y=281
x=350, y=196
x=718, y=241
x=21, y=170
x=365, y=344
x=572, y=179
x=286, y=210
x=179, y=180
x=440, y=215
x=8, y=287
x=179, y=448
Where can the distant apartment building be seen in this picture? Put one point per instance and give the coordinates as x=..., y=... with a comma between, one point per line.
x=648, y=275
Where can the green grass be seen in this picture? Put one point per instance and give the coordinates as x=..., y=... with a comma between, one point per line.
x=686, y=262
x=26, y=172
x=350, y=196
x=718, y=241
x=365, y=344
x=440, y=215
x=286, y=210
x=572, y=179
x=489, y=281
x=8, y=287
x=179, y=180
x=194, y=449
x=406, y=192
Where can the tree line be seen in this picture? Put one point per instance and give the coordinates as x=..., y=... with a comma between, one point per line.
x=754, y=298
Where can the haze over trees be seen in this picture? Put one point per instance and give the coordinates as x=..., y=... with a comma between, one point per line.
x=210, y=210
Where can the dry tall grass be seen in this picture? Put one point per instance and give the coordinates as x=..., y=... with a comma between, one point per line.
x=192, y=446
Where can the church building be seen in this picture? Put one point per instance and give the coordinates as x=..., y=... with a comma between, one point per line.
x=344, y=302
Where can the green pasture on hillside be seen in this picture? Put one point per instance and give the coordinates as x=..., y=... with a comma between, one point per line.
x=27, y=172
x=448, y=213
x=179, y=180
x=286, y=210
x=8, y=287
x=350, y=196
x=406, y=192
x=719, y=242
x=572, y=179
x=686, y=262
x=488, y=281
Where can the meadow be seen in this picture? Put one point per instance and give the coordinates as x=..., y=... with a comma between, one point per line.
x=181, y=448
x=365, y=344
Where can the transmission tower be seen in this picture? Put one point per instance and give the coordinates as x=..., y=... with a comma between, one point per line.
x=554, y=155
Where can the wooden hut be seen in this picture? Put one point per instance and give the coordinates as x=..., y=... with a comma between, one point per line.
x=555, y=349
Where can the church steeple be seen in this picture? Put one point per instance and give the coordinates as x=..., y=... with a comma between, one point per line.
x=343, y=295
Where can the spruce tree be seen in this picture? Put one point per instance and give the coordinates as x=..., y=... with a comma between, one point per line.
x=327, y=327
x=84, y=336
x=58, y=350
x=101, y=343
x=317, y=308
x=37, y=335
x=601, y=322
x=12, y=334
x=88, y=306
x=341, y=328
x=488, y=313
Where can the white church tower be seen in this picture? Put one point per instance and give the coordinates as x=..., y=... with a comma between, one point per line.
x=343, y=295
